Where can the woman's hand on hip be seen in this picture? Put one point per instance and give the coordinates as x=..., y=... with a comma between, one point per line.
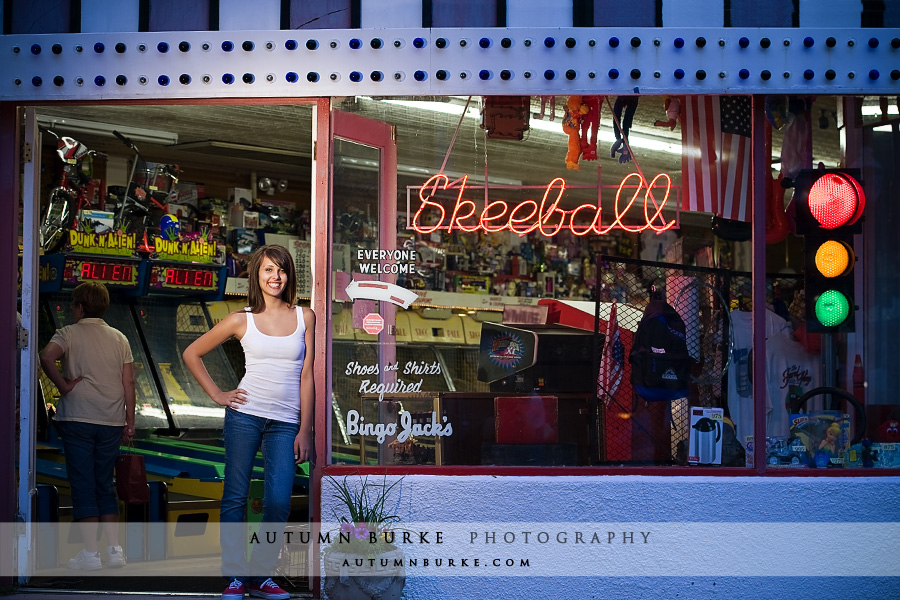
x=68, y=385
x=232, y=399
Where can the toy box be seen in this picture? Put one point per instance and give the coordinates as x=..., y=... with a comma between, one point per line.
x=96, y=221
x=240, y=196
x=784, y=452
x=882, y=456
x=825, y=436
x=705, y=445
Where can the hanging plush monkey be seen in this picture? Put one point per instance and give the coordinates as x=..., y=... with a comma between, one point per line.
x=590, y=123
x=624, y=110
x=673, y=113
x=545, y=102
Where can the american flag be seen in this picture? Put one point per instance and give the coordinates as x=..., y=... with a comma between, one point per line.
x=716, y=155
x=612, y=363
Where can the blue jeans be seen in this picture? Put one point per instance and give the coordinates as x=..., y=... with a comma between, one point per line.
x=244, y=435
x=91, y=452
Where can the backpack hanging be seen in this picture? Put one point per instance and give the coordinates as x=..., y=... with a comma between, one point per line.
x=660, y=363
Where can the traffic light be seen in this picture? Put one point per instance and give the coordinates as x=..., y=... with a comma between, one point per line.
x=829, y=205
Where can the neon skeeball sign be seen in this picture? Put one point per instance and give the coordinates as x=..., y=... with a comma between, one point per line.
x=546, y=217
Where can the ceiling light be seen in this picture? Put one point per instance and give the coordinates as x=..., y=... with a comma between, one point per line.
x=135, y=134
x=871, y=110
x=645, y=142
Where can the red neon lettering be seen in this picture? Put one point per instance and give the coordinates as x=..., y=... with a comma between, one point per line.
x=513, y=220
x=459, y=204
x=587, y=228
x=426, y=202
x=526, y=216
x=554, y=207
x=486, y=219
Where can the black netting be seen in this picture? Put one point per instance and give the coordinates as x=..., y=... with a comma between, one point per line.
x=632, y=430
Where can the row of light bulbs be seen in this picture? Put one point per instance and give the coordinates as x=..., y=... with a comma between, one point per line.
x=441, y=43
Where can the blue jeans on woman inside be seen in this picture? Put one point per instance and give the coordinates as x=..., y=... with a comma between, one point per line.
x=244, y=435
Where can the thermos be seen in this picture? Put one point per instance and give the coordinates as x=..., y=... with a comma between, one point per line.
x=706, y=434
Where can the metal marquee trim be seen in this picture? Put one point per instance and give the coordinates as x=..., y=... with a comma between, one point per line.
x=477, y=61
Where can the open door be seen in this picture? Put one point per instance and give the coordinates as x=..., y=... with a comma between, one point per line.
x=31, y=183
x=364, y=209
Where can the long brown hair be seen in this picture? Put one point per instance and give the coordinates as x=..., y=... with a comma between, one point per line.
x=281, y=257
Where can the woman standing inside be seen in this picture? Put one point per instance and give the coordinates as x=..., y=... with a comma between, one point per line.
x=95, y=414
x=271, y=409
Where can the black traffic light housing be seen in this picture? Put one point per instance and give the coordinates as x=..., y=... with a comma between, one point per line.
x=830, y=203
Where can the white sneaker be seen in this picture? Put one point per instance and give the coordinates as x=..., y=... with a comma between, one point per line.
x=116, y=557
x=85, y=561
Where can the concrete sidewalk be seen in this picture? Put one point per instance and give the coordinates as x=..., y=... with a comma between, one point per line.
x=78, y=595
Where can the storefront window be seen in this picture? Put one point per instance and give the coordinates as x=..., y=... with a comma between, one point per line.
x=533, y=253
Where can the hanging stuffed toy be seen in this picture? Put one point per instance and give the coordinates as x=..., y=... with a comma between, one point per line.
x=623, y=110
x=673, y=113
x=576, y=109
x=545, y=102
x=590, y=123
x=777, y=223
x=581, y=122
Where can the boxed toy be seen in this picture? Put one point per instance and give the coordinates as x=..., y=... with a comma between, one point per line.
x=244, y=241
x=96, y=221
x=824, y=435
x=240, y=196
x=785, y=452
x=878, y=455
x=705, y=445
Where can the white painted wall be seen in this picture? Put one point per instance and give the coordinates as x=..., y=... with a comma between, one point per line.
x=539, y=13
x=109, y=15
x=856, y=504
x=693, y=13
x=235, y=15
x=378, y=14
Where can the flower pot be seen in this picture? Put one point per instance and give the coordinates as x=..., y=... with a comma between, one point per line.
x=361, y=577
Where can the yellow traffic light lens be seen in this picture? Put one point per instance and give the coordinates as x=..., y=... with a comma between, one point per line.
x=835, y=200
x=833, y=258
x=832, y=308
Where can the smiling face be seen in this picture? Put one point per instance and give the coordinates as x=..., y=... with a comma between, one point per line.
x=272, y=277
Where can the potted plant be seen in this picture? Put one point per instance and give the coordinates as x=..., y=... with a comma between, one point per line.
x=362, y=562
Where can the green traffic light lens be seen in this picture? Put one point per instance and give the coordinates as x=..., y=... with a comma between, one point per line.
x=832, y=308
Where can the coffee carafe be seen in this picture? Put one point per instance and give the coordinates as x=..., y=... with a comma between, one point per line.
x=706, y=434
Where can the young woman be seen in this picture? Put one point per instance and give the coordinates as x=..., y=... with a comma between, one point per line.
x=272, y=409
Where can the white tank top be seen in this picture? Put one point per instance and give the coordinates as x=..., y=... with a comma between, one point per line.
x=273, y=365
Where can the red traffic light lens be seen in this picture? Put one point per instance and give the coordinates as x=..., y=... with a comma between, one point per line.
x=835, y=200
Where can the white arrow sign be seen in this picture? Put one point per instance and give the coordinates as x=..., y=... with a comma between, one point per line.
x=379, y=290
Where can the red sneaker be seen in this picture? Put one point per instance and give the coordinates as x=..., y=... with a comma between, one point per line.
x=234, y=591
x=269, y=590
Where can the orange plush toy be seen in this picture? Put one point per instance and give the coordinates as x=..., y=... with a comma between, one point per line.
x=581, y=121
x=576, y=110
